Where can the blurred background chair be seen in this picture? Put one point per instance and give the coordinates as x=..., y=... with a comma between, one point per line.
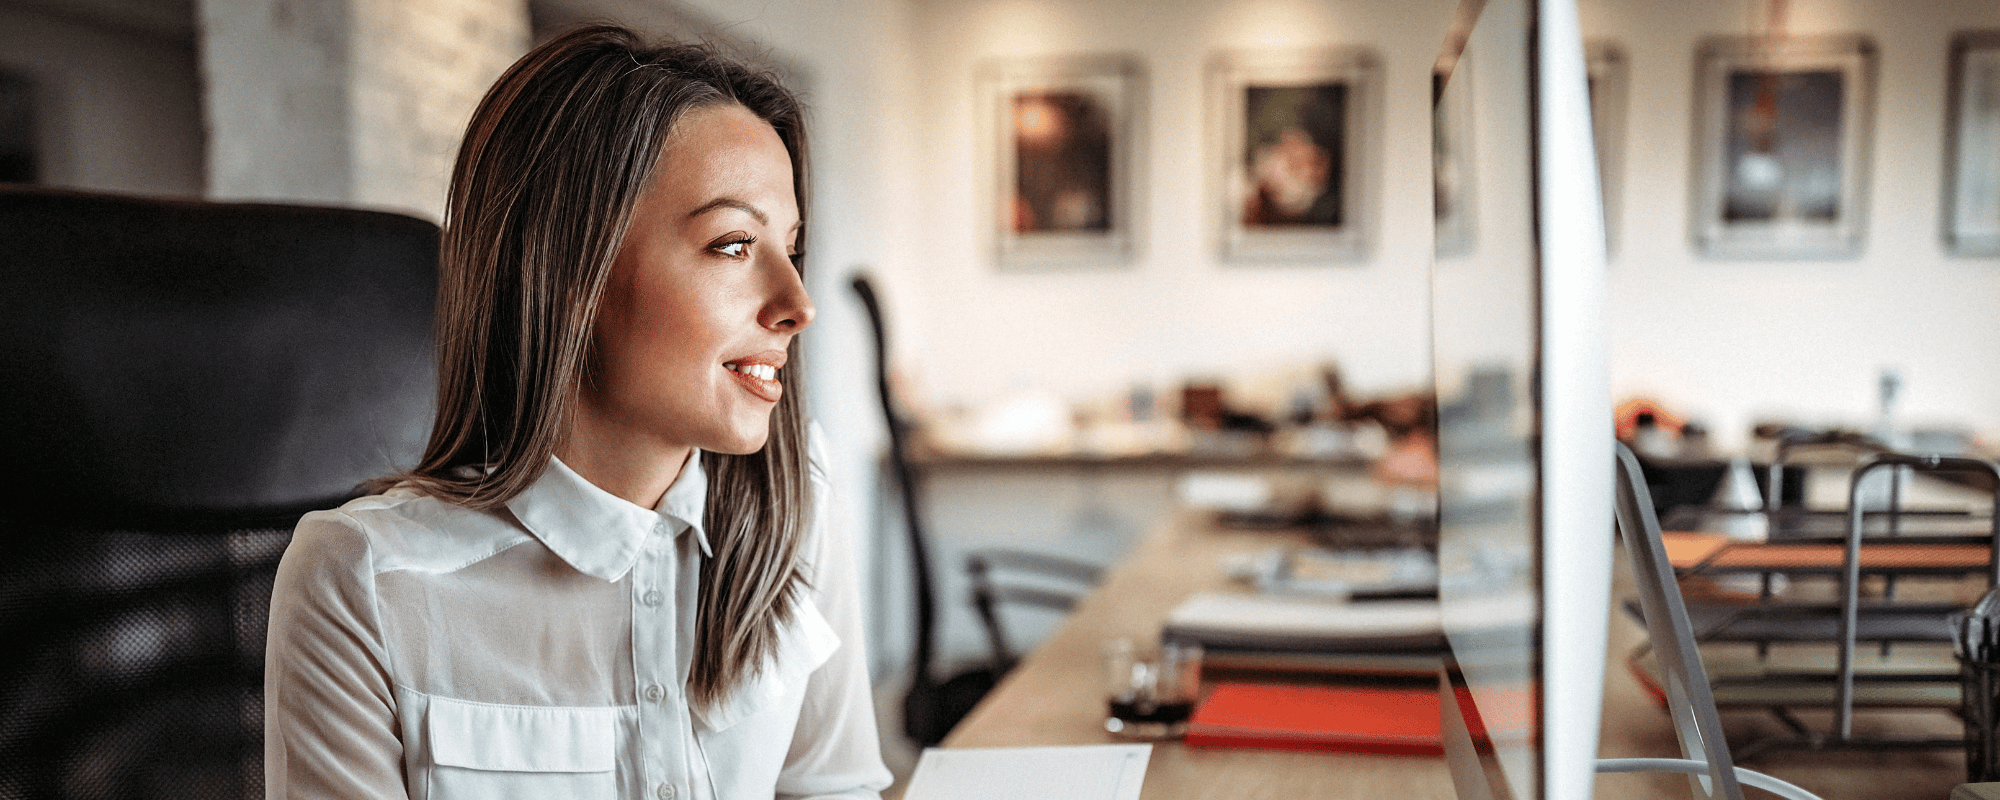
x=1705, y=754
x=1852, y=641
x=999, y=577
x=1021, y=578
x=184, y=379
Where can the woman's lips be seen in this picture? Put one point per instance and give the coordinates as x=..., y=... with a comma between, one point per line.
x=761, y=379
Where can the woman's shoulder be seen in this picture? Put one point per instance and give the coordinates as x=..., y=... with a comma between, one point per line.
x=374, y=516
x=403, y=528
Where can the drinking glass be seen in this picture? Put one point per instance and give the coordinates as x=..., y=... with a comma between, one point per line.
x=1151, y=690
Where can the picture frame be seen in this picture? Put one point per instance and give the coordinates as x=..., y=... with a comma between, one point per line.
x=1781, y=146
x=1972, y=169
x=1063, y=146
x=1604, y=68
x=1293, y=157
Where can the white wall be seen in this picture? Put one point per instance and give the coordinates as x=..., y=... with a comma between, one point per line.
x=1176, y=310
x=348, y=102
x=277, y=113
x=1734, y=341
x=119, y=107
x=418, y=70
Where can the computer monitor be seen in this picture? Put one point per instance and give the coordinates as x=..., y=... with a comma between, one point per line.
x=1524, y=431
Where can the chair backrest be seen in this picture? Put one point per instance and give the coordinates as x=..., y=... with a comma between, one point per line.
x=929, y=709
x=1689, y=700
x=1983, y=473
x=1008, y=577
x=184, y=379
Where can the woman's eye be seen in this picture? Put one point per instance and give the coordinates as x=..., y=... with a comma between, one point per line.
x=736, y=248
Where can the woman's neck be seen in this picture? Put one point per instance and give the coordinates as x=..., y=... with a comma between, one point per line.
x=632, y=470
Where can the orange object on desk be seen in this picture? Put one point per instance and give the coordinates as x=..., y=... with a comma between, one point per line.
x=1715, y=551
x=1356, y=719
x=1685, y=549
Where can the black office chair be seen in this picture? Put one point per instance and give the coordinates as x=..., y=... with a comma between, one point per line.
x=998, y=577
x=183, y=380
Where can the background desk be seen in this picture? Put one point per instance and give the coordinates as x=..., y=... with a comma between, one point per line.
x=1056, y=696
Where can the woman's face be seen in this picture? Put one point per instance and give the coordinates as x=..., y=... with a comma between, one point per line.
x=703, y=297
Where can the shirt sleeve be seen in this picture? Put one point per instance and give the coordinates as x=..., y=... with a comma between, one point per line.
x=329, y=715
x=835, y=751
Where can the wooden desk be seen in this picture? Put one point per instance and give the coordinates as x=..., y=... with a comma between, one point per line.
x=1056, y=696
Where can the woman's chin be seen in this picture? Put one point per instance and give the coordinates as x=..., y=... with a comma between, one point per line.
x=741, y=445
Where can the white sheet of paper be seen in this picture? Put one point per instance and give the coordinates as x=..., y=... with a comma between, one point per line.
x=1083, y=772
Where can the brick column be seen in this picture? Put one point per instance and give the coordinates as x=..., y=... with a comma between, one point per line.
x=348, y=102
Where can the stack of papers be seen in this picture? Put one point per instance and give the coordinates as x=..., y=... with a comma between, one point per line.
x=1261, y=631
x=1307, y=624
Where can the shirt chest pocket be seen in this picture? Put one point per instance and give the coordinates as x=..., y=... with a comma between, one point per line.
x=495, y=752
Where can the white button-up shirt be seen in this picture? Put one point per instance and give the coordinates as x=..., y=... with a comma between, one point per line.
x=421, y=649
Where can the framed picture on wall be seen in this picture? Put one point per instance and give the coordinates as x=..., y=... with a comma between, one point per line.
x=1972, y=174
x=1063, y=142
x=1294, y=152
x=1781, y=146
x=1604, y=65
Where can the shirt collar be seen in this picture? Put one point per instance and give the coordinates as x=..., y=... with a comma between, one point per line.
x=599, y=533
x=686, y=502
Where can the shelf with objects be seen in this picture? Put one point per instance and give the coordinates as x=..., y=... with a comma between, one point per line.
x=1841, y=610
x=1293, y=449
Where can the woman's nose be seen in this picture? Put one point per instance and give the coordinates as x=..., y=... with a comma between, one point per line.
x=790, y=309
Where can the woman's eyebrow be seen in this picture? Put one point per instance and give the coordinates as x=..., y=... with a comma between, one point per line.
x=730, y=202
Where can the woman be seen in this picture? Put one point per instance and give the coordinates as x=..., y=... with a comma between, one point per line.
x=608, y=577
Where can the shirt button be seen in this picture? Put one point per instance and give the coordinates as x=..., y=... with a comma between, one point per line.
x=652, y=598
x=666, y=791
x=653, y=695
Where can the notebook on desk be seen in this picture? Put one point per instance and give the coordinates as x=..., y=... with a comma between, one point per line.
x=1357, y=719
x=1281, y=622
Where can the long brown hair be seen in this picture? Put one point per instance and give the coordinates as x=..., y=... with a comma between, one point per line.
x=551, y=166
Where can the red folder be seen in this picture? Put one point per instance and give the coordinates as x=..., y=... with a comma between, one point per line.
x=1355, y=719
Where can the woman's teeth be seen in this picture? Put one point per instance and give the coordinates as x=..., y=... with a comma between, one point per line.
x=759, y=371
